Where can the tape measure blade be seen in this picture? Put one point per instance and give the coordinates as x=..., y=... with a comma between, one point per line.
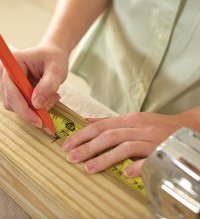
x=67, y=122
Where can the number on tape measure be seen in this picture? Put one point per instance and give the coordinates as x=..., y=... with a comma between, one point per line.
x=64, y=126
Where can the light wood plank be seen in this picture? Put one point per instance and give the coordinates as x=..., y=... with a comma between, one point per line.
x=34, y=171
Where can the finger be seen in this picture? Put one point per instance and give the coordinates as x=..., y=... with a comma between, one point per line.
x=2, y=95
x=14, y=98
x=91, y=120
x=47, y=87
x=107, y=159
x=93, y=130
x=109, y=139
x=134, y=169
x=1, y=84
x=1, y=72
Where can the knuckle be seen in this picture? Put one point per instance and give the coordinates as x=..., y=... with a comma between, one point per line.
x=128, y=148
x=25, y=113
x=134, y=118
x=137, y=116
x=56, y=69
x=49, y=85
x=151, y=132
x=98, y=126
x=7, y=106
x=105, y=160
x=59, y=71
x=109, y=135
x=86, y=148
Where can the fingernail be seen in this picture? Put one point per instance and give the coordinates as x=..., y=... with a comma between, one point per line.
x=49, y=106
x=37, y=124
x=73, y=157
x=58, y=97
x=129, y=172
x=39, y=101
x=90, y=166
x=49, y=131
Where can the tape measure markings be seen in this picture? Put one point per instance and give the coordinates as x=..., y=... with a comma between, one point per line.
x=68, y=122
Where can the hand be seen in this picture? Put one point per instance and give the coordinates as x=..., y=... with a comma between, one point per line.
x=108, y=141
x=46, y=69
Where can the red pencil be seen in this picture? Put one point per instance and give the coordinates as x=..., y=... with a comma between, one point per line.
x=19, y=78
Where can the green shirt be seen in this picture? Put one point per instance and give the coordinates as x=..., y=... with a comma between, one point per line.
x=143, y=55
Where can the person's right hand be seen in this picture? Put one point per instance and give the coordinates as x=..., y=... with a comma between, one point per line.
x=46, y=68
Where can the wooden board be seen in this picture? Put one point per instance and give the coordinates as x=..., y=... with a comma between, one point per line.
x=35, y=173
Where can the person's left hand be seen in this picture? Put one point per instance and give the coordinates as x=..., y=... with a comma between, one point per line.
x=110, y=140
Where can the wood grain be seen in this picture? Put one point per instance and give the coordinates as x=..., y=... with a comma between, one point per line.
x=35, y=173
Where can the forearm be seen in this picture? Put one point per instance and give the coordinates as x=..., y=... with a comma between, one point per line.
x=71, y=20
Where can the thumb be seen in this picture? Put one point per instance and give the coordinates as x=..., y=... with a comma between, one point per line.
x=46, y=89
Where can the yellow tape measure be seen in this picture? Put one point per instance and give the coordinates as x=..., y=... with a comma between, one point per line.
x=71, y=122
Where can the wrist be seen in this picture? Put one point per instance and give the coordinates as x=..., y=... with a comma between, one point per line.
x=64, y=45
x=192, y=118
